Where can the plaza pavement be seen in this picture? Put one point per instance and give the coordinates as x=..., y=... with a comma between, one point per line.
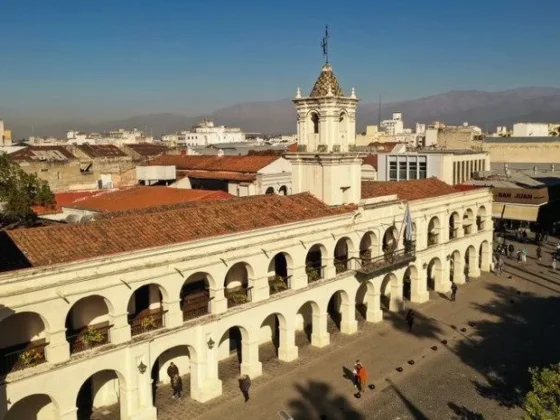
x=481, y=373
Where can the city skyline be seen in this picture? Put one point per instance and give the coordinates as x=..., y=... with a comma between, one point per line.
x=71, y=61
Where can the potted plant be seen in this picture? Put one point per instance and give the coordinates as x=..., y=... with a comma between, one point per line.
x=322, y=148
x=239, y=297
x=277, y=284
x=312, y=274
x=28, y=358
x=148, y=323
x=92, y=336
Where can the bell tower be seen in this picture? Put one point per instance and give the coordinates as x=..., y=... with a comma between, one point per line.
x=325, y=163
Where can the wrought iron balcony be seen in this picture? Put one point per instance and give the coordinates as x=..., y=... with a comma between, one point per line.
x=146, y=321
x=387, y=262
x=89, y=337
x=22, y=356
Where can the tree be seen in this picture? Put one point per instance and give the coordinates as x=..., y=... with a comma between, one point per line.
x=19, y=191
x=543, y=402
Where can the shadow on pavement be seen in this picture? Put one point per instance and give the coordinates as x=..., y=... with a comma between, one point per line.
x=524, y=335
x=463, y=413
x=423, y=325
x=416, y=413
x=317, y=401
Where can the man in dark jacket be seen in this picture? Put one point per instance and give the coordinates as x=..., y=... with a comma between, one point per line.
x=453, y=291
x=172, y=370
x=177, y=386
x=244, y=385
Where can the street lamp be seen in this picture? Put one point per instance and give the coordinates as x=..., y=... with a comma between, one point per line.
x=142, y=367
x=210, y=343
x=425, y=265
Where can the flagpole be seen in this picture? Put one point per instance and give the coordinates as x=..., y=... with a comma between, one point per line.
x=401, y=229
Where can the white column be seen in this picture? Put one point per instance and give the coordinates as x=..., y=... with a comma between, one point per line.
x=441, y=281
x=174, y=315
x=58, y=349
x=218, y=304
x=419, y=287
x=374, y=312
x=459, y=272
x=287, y=350
x=348, y=323
x=205, y=384
x=320, y=336
x=329, y=270
x=395, y=300
x=299, y=278
x=486, y=258
x=250, y=364
x=260, y=290
x=120, y=331
x=474, y=271
x=136, y=404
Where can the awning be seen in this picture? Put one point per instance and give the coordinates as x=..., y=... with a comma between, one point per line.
x=515, y=212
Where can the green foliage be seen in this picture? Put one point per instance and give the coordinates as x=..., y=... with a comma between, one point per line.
x=18, y=192
x=543, y=402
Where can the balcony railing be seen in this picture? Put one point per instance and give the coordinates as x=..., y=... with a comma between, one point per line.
x=341, y=265
x=314, y=273
x=89, y=337
x=432, y=239
x=237, y=296
x=387, y=262
x=22, y=356
x=278, y=284
x=195, y=305
x=146, y=321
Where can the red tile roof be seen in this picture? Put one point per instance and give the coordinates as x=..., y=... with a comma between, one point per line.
x=467, y=187
x=143, y=197
x=43, y=153
x=64, y=199
x=370, y=160
x=74, y=242
x=223, y=175
x=384, y=147
x=244, y=164
x=101, y=150
x=408, y=190
x=148, y=149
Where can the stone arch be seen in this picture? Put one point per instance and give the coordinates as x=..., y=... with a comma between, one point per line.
x=343, y=121
x=236, y=284
x=283, y=190
x=389, y=285
x=338, y=301
x=455, y=267
x=305, y=322
x=342, y=253
x=481, y=215
x=315, y=262
x=390, y=238
x=269, y=190
x=366, y=302
x=471, y=260
x=23, y=339
x=196, y=294
x=434, y=274
x=434, y=227
x=369, y=247
x=468, y=221
x=88, y=323
x=269, y=336
x=182, y=356
x=313, y=122
x=280, y=272
x=454, y=225
x=146, y=308
x=101, y=389
x=410, y=283
x=231, y=349
x=33, y=407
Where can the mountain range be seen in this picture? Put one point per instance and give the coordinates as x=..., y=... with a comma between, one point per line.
x=485, y=109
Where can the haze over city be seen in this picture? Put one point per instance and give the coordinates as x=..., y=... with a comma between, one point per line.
x=64, y=61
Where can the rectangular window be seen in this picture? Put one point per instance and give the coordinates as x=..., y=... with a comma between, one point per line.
x=423, y=171
x=392, y=171
x=454, y=173
x=402, y=171
x=412, y=170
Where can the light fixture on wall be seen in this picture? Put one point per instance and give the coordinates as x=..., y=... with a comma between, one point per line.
x=448, y=257
x=425, y=265
x=210, y=343
x=142, y=367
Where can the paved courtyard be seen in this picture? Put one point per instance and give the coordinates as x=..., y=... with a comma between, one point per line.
x=497, y=328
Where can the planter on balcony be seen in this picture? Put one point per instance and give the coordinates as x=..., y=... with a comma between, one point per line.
x=341, y=265
x=277, y=284
x=146, y=321
x=89, y=337
x=22, y=356
x=236, y=296
x=314, y=273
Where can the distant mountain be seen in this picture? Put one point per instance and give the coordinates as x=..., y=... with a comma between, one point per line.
x=485, y=109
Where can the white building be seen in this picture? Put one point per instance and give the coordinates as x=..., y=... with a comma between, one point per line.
x=530, y=130
x=204, y=134
x=116, y=137
x=92, y=314
x=393, y=126
x=450, y=166
x=420, y=128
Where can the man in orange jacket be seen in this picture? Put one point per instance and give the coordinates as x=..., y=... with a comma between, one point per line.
x=361, y=376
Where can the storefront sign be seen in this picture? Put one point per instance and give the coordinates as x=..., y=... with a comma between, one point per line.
x=531, y=196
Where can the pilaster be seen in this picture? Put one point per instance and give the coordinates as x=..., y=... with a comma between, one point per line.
x=348, y=323
x=58, y=350
x=218, y=304
x=287, y=350
x=396, y=300
x=174, y=315
x=120, y=332
x=204, y=387
x=299, y=278
x=320, y=337
x=260, y=290
x=374, y=313
x=250, y=364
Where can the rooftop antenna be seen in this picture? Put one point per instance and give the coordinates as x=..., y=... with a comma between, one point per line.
x=325, y=44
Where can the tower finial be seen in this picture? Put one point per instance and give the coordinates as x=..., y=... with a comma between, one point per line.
x=325, y=44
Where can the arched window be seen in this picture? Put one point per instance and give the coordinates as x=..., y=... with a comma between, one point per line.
x=315, y=122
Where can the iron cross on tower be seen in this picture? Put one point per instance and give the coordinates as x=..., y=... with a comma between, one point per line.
x=325, y=44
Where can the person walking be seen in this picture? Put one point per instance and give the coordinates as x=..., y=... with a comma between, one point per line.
x=172, y=370
x=410, y=319
x=553, y=263
x=453, y=291
x=511, y=250
x=245, y=385
x=176, y=386
x=524, y=255
x=539, y=253
x=500, y=266
x=360, y=374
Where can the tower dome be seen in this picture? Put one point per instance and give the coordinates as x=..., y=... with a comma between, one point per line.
x=326, y=84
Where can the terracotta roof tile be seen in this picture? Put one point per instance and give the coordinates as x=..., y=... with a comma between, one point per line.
x=245, y=164
x=43, y=153
x=64, y=199
x=370, y=160
x=101, y=150
x=74, y=242
x=148, y=149
x=143, y=197
x=326, y=82
x=408, y=190
x=223, y=175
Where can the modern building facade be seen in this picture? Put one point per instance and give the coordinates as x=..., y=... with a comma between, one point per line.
x=104, y=307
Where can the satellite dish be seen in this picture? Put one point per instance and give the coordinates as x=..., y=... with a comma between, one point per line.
x=72, y=218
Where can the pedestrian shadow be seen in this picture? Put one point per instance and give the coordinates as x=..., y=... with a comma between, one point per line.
x=463, y=413
x=348, y=374
x=443, y=296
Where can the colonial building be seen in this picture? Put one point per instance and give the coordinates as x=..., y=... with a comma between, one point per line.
x=92, y=314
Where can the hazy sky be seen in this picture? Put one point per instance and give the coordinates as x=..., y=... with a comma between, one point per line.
x=114, y=58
